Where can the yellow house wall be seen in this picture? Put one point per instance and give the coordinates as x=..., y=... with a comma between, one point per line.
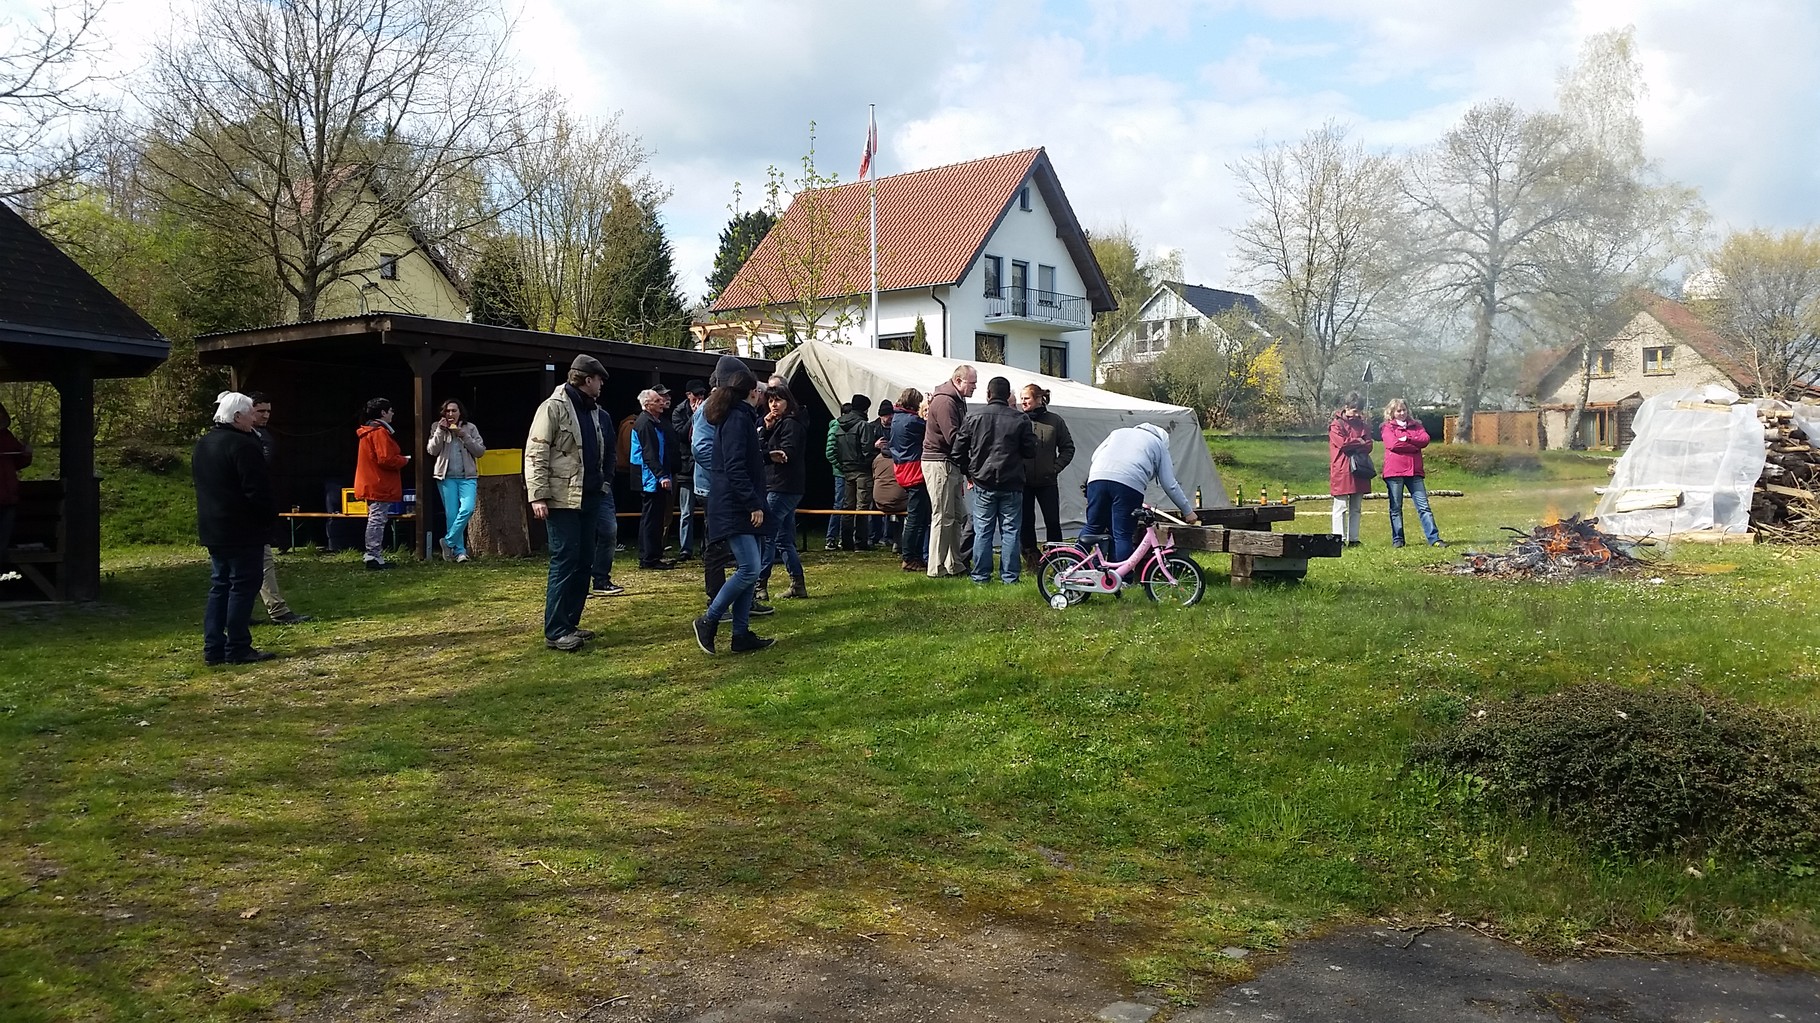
x=420, y=287
x=1562, y=385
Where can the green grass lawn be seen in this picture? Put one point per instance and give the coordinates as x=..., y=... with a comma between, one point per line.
x=419, y=801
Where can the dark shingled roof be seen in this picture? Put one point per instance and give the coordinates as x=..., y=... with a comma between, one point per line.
x=1212, y=301
x=50, y=306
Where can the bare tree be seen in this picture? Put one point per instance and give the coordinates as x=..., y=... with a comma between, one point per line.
x=1325, y=238
x=1493, y=201
x=1765, y=306
x=46, y=76
x=317, y=126
x=574, y=174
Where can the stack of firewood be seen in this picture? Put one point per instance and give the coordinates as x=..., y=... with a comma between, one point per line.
x=1786, y=505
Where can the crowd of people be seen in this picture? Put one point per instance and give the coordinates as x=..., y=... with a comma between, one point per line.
x=951, y=488
x=1351, y=470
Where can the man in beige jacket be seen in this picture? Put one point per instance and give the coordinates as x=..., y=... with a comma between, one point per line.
x=568, y=462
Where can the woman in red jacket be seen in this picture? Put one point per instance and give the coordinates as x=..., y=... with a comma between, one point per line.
x=376, y=479
x=1404, y=438
x=1347, y=435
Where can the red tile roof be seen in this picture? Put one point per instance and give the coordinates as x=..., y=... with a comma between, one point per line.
x=932, y=225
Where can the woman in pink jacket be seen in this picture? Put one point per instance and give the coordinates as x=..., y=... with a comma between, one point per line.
x=1404, y=438
x=1347, y=435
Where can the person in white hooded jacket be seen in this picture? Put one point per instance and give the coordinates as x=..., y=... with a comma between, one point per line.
x=1123, y=466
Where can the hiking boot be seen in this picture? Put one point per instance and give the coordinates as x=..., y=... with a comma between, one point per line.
x=568, y=643
x=747, y=642
x=291, y=618
x=761, y=610
x=704, y=634
x=797, y=590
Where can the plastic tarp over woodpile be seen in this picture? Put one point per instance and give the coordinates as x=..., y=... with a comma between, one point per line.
x=840, y=371
x=1702, y=449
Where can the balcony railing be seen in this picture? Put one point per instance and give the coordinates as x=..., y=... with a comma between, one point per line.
x=1032, y=306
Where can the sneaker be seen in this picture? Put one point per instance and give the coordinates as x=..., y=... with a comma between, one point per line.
x=1396, y=543
x=291, y=618
x=761, y=610
x=585, y=634
x=747, y=642
x=1438, y=543
x=704, y=634
x=462, y=558
x=376, y=565
x=656, y=566
x=606, y=590
x=567, y=644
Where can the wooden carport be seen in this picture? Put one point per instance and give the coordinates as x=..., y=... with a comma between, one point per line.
x=319, y=375
x=58, y=324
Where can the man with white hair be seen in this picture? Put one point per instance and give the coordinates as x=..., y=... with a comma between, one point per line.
x=1124, y=464
x=654, y=460
x=235, y=512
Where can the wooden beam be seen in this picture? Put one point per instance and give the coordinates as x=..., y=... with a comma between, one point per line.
x=81, y=492
x=424, y=363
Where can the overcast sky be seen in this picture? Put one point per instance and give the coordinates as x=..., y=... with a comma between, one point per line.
x=1142, y=104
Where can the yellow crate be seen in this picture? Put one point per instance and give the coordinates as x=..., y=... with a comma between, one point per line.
x=501, y=462
x=349, y=506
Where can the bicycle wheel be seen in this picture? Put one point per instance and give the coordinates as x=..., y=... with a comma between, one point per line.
x=1188, y=586
x=1053, y=564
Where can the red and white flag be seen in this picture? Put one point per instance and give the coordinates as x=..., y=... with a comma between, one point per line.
x=865, y=162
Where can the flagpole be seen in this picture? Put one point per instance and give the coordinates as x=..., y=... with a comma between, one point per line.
x=871, y=130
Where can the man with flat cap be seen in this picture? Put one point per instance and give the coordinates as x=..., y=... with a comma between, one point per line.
x=568, y=466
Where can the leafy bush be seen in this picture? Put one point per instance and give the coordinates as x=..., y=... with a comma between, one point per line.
x=1223, y=456
x=153, y=458
x=1643, y=770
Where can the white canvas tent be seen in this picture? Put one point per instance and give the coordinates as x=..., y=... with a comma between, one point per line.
x=837, y=372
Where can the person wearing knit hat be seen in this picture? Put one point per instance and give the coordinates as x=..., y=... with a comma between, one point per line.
x=568, y=469
x=235, y=510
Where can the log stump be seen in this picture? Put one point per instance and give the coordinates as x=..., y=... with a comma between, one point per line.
x=498, y=528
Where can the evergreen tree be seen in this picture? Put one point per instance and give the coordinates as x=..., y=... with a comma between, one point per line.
x=640, y=302
x=737, y=240
x=919, y=341
x=498, y=278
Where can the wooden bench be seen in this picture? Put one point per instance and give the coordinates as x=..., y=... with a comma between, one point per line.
x=292, y=518
x=37, y=546
x=1258, y=555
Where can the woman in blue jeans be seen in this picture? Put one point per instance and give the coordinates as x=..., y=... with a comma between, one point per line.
x=1404, y=438
x=906, y=449
x=785, y=442
x=736, y=512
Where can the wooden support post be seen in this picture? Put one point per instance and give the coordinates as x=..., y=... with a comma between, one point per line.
x=81, y=492
x=424, y=363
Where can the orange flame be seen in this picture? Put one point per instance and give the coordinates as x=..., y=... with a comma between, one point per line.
x=1552, y=515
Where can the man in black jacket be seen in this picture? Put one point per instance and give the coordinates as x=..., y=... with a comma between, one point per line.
x=275, y=604
x=992, y=446
x=235, y=513
x=682, y=428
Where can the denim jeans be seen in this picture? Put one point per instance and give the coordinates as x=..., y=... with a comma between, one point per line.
x=1418, y=491
x=840, y=494
x=458, y=496
x=736, y=593
x=1109, y=508
x=996, y=518
x=606, y=537
x=915, y=539
x=227, y=618
x=571, y=533
x=688, y=531
x=780, y=515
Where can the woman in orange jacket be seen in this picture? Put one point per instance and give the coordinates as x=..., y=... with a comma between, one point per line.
x=376, y=479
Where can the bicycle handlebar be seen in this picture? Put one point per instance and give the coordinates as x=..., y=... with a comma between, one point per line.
x=1158, y=511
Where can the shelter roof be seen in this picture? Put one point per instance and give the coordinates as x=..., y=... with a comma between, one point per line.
x=932, y=226
x=50, y=306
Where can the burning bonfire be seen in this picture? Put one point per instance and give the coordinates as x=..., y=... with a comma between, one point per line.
x=1562, y=549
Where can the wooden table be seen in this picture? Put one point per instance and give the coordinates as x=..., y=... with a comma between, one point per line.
x=292, y=517
x=1258, y=555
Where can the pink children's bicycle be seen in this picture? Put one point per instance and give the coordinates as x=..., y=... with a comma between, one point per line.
x=1068, y=573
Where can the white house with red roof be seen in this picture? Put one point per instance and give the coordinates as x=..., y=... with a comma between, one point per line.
x=988, y=253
